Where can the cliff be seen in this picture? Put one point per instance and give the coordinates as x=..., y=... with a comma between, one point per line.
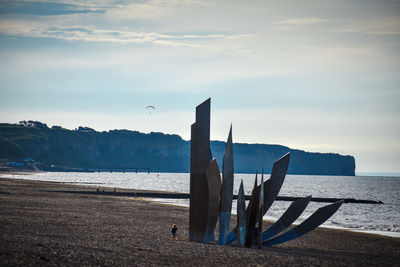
x=87, y=148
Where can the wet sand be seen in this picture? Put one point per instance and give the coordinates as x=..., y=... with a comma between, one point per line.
x=53, y=224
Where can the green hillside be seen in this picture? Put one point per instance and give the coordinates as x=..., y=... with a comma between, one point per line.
x=87, y=148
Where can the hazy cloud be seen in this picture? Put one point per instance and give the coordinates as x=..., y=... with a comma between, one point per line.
x=300, y=21
x=379, y=26
x=150, y=8
x=39, y=8
x=383, y=32
x=337, y=60
x=93, y=34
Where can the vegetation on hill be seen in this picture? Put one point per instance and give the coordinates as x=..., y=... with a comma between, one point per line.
x=87, y=148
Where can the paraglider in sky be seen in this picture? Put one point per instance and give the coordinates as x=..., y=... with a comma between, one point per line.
x=150, y=109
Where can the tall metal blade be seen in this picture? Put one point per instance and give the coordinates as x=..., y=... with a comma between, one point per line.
x=260, y=210
x=232, y=237
x=252, y=218
x=271, y=189
x=291, y=214
x=312, y=222
x=241, y=215
x=199, y=160
x=226, y=191
x=277, y=177
x=214, y=188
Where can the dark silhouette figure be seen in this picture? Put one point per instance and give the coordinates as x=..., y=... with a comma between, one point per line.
x=173, y=230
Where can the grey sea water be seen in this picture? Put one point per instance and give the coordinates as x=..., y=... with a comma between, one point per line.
x=380, y=219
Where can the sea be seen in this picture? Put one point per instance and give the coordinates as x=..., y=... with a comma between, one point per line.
x=383, y=219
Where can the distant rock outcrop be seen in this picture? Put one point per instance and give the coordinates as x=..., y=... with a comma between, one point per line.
x=87, y=148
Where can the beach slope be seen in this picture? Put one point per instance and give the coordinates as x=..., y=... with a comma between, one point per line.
x=53, y=224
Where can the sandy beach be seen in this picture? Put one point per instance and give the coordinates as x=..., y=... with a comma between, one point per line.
x=53, y=224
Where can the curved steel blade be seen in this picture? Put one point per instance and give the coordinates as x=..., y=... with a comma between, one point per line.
x=241, y=215
x=226, y=191
x=312, y=222
x=214, y=188
x=291, y=214
x=272, y=187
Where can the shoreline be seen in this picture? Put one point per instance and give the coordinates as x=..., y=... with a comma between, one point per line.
x=50, y=223
x=153, y=195
x=355, y=230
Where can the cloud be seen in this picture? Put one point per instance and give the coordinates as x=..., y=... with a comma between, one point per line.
x=93, y=34
x=39, y=8
x=366, y=31
x=382, y=32
x=150, y=8
x=382, y=26
x=300, y=21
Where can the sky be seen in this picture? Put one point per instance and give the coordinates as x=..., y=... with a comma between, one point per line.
x=320, y=76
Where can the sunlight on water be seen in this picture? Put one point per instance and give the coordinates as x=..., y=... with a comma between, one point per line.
x=372, y=217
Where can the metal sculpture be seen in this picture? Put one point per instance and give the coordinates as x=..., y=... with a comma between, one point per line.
x=232, y=237
x=226, y=191
x=252, y=218
x=312, y=222
x=214, y=188
x=199, y=161
x=260, y=211
x=241, y=215
x=209, y=199
x=291, y=214
x=271, y=189
x=275, y=182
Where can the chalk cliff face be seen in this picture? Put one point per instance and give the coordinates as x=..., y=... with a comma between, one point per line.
x=87, y=148
x=251, y=157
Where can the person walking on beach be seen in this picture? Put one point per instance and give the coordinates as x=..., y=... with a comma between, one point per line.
x=173, y=230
